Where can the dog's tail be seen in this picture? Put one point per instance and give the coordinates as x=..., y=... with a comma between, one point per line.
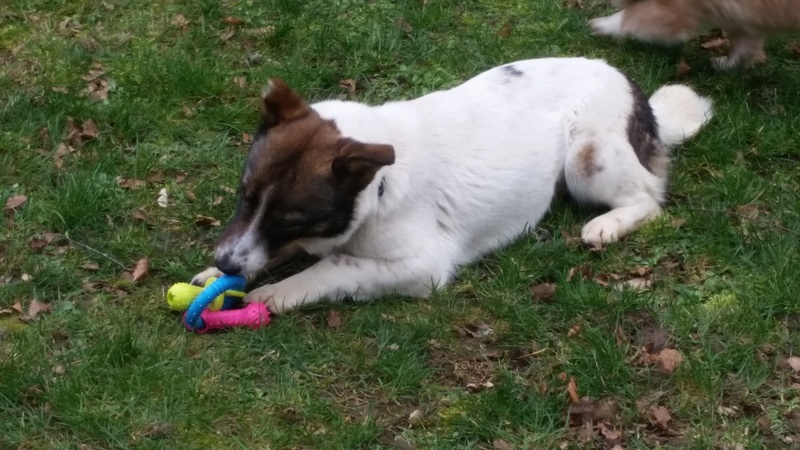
x=680, y=113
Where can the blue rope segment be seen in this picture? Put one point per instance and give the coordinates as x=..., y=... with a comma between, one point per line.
x=224, y=283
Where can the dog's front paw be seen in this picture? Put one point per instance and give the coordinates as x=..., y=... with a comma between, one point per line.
x=201, y=278
x=601, y=230
x=277, y=302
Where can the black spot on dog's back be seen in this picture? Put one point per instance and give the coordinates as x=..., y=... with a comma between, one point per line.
x=513, y=71
x=643, y=130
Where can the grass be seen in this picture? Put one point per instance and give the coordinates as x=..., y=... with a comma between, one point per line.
x=111, y=367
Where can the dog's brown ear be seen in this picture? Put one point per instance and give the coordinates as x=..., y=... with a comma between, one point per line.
x=357, y=163
x=281, y=103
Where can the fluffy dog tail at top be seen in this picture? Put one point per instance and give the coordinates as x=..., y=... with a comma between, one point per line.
x=680, y=113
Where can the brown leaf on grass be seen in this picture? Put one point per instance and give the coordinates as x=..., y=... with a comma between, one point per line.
x=206, y=221
x=226, y=34
x=574, y=330
x=140, y=214
x=60, y=89
x=36, y=307
x=748, y=211
x=179, y=21
x=571, y=241
x=611, y=435
x=500, y=444
x=233, y=21
x=130, y=183
x=190, y=196
x=349, y=84
x=402, y=23
x=61, y=151
x=98, y=89
x=584, y=271
x=240, y=81
x=188, y=112
x=574, y=4
x=334, y=319
x=506, y=30
x=89, y=129
x=794, y=363
x=637, y=284
x=572, y=390
x=157, y=430
x=141, y=270
x=587, y=410
x=90, y=266
x=247, y=138
x=543, y=292
x=17, y=306
x=677, y=222
x=15, y=202
x=683, y=68
x=476, y=331
x=261, y=32
x=660, y=417
x=586, y=433
x=670, y=359
x=96, y=70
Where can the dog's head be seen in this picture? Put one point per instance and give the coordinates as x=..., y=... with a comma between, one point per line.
x=300, y=183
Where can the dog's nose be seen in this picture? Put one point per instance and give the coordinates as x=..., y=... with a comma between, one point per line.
x=227, y=266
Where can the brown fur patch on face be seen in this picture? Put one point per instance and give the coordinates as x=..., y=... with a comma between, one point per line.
x=302, y=174
x=587, y=161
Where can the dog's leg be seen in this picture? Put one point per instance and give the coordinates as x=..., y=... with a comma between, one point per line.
x=647, y=20
x=746, y=51
x=605, y=170
x=338, y=276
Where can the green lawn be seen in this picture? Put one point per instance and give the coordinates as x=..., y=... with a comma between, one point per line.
x=151, y=95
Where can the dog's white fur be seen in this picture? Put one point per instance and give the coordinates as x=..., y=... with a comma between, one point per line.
x=476, y=166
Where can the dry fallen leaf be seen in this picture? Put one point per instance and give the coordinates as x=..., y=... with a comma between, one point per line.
x=333, y=319
x=15, y=202
x=349, y=84
x=543, y=292
x=179, y=20
x=402, y=23
x=36, y=307
x=141, y=270
x=794, y=363
x=660, y=417
x=130, y=183
x=90, y=266
x=227, y=34
x=683, y=68
x=500, y=444
x=572, y=390
x=98, y=89
x=574, y=330
x=247, y=138
x=190, y=196
x=670, y=359
x=233, y=21
x=206, y=221
x=506, y=30
x=188, y=112
x=17, y=306
x=240, y=81
x=89, y=129
x=163, y=198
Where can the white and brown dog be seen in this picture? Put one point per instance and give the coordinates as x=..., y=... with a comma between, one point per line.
x=674, y=21
x=396, y=197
